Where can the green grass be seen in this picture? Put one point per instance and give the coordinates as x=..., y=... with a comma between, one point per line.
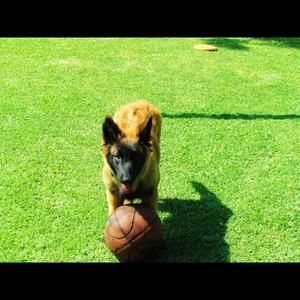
x=229, y=187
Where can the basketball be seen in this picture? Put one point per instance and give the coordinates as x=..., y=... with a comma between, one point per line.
x=134, y=233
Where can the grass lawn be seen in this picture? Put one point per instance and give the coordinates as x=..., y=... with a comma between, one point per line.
x=230, y=146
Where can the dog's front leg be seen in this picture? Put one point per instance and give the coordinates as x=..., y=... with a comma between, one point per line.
x=113, y=201
x=150, y=200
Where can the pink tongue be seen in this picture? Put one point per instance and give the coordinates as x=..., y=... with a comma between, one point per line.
x=125, y=187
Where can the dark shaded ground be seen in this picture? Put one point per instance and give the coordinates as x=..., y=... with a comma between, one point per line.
x=241, y=43
x=230, y=116
x=195, y=230
x=284, y=42
x=234, y=44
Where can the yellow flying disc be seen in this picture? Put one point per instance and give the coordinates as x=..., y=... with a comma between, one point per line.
x=205, y=47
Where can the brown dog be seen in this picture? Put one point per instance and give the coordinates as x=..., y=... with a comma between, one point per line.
x=131, y=155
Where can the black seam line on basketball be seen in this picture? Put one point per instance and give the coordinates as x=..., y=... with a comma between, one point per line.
x=121, y=228
x=117, y=238
x=132, y=221
x=124, y=234
x=126, y=237
x=130, y=243
x=136, y=248
x=137, y=236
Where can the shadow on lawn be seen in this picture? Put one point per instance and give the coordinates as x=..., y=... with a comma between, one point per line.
x=234, y=44
x=230, y=116
x=241, y=43
x=195, y=230
x=283, y=42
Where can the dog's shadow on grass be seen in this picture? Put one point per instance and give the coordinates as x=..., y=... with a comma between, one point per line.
x=195, y=229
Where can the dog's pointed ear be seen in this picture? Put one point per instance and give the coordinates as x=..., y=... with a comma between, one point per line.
x=110, y=131
x=145, y=134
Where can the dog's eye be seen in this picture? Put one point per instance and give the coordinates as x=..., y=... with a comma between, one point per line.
x=117, y=157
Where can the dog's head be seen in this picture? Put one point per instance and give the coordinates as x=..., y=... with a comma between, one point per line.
x=126, y=157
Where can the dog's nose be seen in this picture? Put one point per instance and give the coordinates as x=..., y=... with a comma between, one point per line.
x=126, y=178
x=126, y=181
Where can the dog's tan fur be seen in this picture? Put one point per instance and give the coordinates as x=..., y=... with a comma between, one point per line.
x=131, y=120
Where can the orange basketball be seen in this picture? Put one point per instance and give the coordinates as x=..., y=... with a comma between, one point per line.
x=134, y=233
